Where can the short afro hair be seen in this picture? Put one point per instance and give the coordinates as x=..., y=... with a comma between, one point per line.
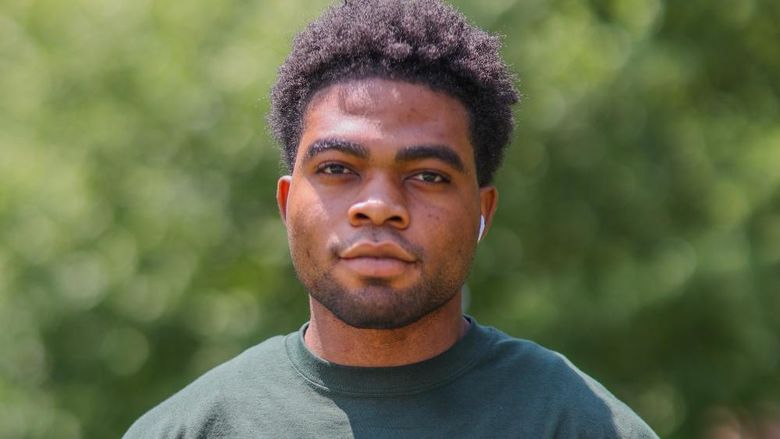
x=418, y=41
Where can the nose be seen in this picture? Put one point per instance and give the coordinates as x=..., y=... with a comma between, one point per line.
x=379, y=203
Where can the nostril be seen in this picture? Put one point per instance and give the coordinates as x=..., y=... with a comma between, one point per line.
x=378, y=212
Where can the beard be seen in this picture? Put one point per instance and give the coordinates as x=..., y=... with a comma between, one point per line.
x=376, y=304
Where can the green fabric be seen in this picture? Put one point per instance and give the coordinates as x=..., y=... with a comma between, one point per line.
x=488, y=385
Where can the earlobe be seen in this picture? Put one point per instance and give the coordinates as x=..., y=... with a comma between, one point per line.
x=282, y=192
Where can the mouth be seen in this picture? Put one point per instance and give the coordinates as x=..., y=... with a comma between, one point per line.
x=377, y=260
x=376, y=267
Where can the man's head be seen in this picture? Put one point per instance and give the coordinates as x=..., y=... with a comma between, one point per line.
x=393, y=116
x=419, y=41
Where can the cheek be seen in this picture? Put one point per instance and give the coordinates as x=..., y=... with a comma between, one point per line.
x=308, y=228
x=300, y=227
x=453, y=219
x=302, y=244
x=315, y=204
x=449, y=231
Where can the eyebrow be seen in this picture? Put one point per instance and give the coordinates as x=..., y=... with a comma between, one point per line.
x=440, y=152
x=411, y=153
x=324, y=145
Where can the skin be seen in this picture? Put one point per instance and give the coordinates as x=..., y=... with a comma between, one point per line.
x=382, y=212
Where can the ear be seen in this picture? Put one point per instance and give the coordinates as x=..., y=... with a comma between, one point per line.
x=488, y=201
x=282, y=192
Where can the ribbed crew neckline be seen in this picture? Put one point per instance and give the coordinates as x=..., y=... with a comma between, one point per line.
x=388, y=381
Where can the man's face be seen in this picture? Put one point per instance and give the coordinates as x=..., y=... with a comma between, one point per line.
x=382, y=209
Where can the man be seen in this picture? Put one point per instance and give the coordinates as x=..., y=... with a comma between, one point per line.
x=393, y=116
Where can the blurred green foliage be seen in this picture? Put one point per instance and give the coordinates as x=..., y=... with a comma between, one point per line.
x=638, y=230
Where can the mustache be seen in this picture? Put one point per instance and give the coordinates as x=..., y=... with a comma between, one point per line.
x=377, y=236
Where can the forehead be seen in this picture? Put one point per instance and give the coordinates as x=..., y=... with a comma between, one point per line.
x=359, y=96
x=388, y=112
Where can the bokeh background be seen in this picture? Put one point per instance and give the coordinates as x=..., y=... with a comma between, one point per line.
x=638, y=230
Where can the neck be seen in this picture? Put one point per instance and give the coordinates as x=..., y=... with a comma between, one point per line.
x=335, y=341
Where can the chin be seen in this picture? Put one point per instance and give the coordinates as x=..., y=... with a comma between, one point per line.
x=379, y=306
x=378, y=320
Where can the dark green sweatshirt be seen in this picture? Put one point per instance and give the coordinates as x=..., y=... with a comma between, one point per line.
x=488, y=385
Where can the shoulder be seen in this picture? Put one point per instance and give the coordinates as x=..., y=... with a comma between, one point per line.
x=208, y=403
x=573, y=401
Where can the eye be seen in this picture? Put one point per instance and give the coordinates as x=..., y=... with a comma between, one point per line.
x=430, y=177
x=334, y=169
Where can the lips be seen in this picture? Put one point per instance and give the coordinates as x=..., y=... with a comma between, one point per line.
x=381, y=250
x=378, y=260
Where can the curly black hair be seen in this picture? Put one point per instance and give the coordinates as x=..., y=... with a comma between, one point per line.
x=417, y=41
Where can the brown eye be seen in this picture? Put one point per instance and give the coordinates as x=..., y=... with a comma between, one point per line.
x=430, y=177
x=335, y=169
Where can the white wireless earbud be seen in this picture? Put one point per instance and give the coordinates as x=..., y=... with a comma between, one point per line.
x=481, y=227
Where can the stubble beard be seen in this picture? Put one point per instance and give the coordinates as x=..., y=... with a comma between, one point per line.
x=377, y=304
